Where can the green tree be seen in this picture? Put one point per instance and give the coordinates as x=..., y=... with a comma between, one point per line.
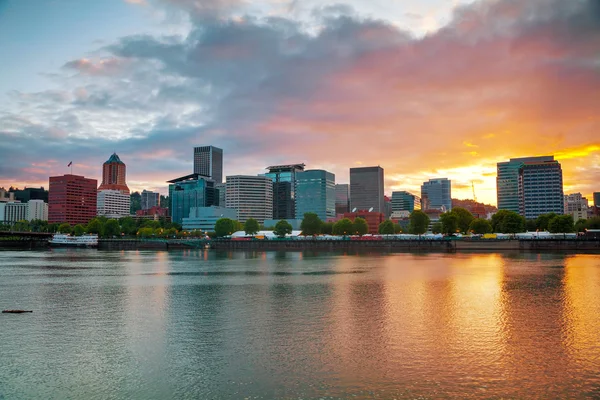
x=480, y=226
x=64, y=228
x=145, y=232
x=135, y=202
x=128, y=225
x=449, y=222
x=581, y=225
x=251, y=226
x=542, y=221
x=561, y=224
x=282, y=228
x=112, y=228
x=436, y=227
x=224, y=227
x=593, y=223
x=37, y=225
x=498, y=219
x=530, y=225
x=327, y=228
x=343, y=227
x=464, y=218
x=397, y=228
x=150, y=223
x=53, y=228
x=512, y=223
x=311, y=224
x=360, y=227
x=78, y=230
x=419, y=222
x=95, y=226
x=22, y=226
x=386, y=227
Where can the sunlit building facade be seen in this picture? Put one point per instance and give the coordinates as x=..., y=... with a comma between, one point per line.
x=540, y=187
x=405, y=201
x=315, y=192
x=437, y=194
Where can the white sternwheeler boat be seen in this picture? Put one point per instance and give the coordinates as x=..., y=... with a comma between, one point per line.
x=64, y=240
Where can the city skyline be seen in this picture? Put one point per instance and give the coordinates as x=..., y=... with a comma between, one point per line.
x=446, y=98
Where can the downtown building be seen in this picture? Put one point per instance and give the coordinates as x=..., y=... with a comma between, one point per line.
x=72, y=199
x=149, y=199
x=251, y=196
x=190, y=191
x=437, y=194
x=342, y=198
x=315, y=192
x=405, y=201
x=530, y=186
x=366, y=189
x=577, y=206
x=284, y=189
x=208, y=162
x=13, y=211
x=113, y=194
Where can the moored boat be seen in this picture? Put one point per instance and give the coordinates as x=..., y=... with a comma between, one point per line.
x=65, y=240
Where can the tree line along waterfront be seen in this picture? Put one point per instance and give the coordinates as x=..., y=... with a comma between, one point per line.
x=456, y=221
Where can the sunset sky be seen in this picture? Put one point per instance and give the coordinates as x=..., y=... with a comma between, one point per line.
x=426, y=89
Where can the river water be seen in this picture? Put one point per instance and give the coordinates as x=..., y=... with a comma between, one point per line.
x=262, y=325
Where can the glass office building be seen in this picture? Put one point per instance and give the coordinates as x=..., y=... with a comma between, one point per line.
x=366, y=189
x=190, y=191
x=315, y=192
x=284, y=183
x=342, y=198
x=405, y=201
x=437, y=194
x=208, y=161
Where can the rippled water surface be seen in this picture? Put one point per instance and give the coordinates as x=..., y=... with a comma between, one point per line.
x=202, y=325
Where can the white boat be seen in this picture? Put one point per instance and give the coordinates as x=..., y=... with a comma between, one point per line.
x=61, y=239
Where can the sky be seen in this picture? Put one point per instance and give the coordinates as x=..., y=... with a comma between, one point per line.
x=425, y=89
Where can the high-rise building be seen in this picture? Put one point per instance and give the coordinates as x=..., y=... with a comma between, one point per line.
x=437, y=194
x=221, y=194
x=208, y=162
x=540, y=187
x=342, y=198
x=114, y=175
x=149, y=199
x=37, y=209
x=251, y=196
x=405, y=201
x=315, y=192
x=577, y=206
x=194, y=190
x=11, y=212
x=72, y=199
x=284, y=186
x=596, y=197
x=366, y=189
x=113, y=204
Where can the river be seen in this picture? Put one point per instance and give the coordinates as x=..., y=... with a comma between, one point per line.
x=197, y=324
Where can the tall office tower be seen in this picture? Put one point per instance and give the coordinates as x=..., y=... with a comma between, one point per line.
x=577, y=206
x=437, y=194
x=405, y=201
x=221, y=194
x=596, y=197
x=251, y=196
x=37, y=209
x=72, y=199
x=208, y=162
x=540, y=188
x=149, y=199
x=194, y=190
x=284, y=184
x=114, y=175
x=315, y=192
x=366, y=189
x=342, y=198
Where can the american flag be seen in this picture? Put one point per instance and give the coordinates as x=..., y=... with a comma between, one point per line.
x=69, y=164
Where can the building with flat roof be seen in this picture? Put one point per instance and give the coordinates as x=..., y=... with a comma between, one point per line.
x=208, y=161
x=11, y=212
x=189, y=191
x=373, y=219
x=540, y=187
x=437, y=194
x=205, y=218
x=342, y=198
x=114, y=175
x=577, y=206
x=366, y=189
x=37, y=210
x=596, y=198
x=405, y=201
x=72, y=199
x=251, y=196
x=315, y=192
x=113, y=204
x=284, y=189
x=24, y=195
x=149, y=199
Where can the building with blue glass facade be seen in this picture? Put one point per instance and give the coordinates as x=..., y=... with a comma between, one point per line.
x=437, y=194
x=284, y=184
x=205, y=218
x=315, y=192
x=405, y=201
x=190, y=191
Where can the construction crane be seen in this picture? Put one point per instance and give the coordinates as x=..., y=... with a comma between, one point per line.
x=473, y=186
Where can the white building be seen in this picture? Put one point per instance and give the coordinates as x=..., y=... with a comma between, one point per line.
x=37, y=209
x=251, y=196
x=577, y=206
x=13, y=212
x=113, y=203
